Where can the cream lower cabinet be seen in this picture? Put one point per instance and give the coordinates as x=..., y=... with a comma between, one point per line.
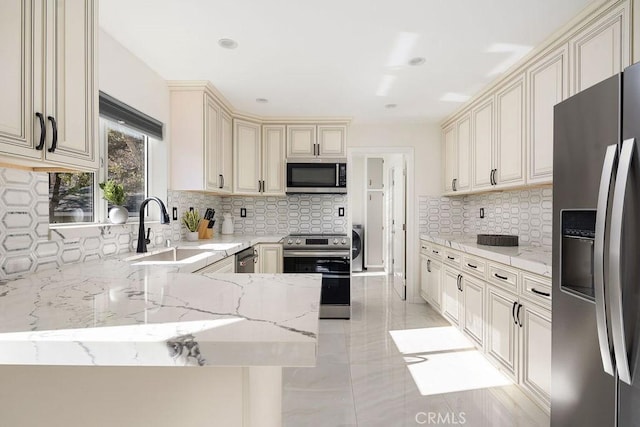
x=227, y=265
x=535, y=373
x=431, y=281
x=473, y=291
x=270, y=260
x=49, y=85
x=451, y=294
x=502, y=330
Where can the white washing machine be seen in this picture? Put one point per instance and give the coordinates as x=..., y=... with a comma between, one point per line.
x=357, y=248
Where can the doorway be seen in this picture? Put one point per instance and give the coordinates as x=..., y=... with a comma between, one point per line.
x=378, y=204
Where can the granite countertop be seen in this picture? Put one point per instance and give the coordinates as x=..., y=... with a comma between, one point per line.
x=114, y=313
x=535, y=259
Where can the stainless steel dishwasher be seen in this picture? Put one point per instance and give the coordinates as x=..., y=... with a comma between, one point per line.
x=246, y=260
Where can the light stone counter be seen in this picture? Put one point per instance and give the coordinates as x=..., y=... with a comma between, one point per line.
x=534, y=259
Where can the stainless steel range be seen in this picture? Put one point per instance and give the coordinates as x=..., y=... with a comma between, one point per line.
x=329, y=254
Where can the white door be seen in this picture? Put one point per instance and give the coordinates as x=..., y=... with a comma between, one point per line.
x=473, y=291
x=246, y=157
x=212, y=144
x=375, y=167
x=398, y=228
x=226, y=152
x=463, y=134
x=482, y=145
x=510, y=134
x=451, y=295
x=71, y=83
x=548, y=85
x=20, y=129
x=332, y=141
x=536, y=351
x=273, y=154
x=502, y=332
x=374, y=230
x=301, y=141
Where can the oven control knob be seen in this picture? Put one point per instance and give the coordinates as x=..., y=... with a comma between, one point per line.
x=335, y=241
x=298, y=241
x=290, y=242
x=344, y=241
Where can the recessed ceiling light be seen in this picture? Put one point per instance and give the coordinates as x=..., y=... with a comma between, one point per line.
x=121, y=122
x=262, y=100
x=390, y=106
x=418, y=60
x=228, y=43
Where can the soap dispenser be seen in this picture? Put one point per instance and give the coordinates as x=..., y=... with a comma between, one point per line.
x=227, y=223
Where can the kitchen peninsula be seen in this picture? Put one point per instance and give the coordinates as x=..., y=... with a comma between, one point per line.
x=147, y=345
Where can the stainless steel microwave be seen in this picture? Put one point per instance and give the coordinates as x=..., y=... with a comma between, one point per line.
x=316, y=176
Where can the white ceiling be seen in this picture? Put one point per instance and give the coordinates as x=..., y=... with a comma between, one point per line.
x=330, y=57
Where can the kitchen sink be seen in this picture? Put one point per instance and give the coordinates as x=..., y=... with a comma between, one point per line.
x=177, y=255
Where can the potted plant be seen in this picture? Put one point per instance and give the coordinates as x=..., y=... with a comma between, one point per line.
x=115, y=195
x=191, y=220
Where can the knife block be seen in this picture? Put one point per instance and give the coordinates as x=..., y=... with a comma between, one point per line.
x=203, y=231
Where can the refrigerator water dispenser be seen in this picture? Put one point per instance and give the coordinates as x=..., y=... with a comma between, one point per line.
x=576, y=268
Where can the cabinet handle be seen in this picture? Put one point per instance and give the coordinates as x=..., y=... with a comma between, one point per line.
x=500, y=277
x=455, y=184
x=513, y=312
x=450, y=257
x=518, y=315
x=435, y=252
x=491, y=177
x=54, y=125
x=472, y=266
x=220, y=181
x=429, y=265
x=460, y=282
x=259, y=186
x=263, y=186
x=43, y=131
x=545, y=294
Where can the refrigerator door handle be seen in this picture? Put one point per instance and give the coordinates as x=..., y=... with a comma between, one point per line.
x=606, y=353
x=615, y=267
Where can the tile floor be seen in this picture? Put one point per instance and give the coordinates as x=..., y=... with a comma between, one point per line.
x=362, y=379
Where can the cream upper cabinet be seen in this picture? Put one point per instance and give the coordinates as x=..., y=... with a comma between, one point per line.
x=259, y=158
x=548, y=79
x=226, y=152
x=463, y=145
x=247, y=157
x=301, y=141
x=535, y=324
x=482, y=145
x=509, y=164
x=270, y=260
x=48, y=52
x=601, y=49
x=306, y=141
x=450, y=157
x=273, y=154
x=332, y=141
x=201, y=141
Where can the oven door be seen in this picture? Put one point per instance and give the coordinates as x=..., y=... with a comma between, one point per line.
x=335, y=270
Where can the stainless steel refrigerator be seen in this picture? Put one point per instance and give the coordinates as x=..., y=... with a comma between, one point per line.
x=596, y=256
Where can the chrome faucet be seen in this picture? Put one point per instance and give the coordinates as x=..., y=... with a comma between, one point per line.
x=164, y=219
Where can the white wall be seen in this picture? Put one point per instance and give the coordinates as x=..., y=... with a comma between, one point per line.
x=125, y=77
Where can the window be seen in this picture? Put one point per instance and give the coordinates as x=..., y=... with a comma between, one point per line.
x=126, y=146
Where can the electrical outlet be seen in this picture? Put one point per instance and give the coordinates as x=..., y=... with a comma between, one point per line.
x=175, y=213
x=340, y=211
x=481, y=212
x=190, y=208
x=243, y=212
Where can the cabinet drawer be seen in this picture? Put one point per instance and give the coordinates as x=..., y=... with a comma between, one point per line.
x=503, y=276
x=436, y=252
x=425, y=248
x=474, y=265
x=453, y=258
x=536, y=288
